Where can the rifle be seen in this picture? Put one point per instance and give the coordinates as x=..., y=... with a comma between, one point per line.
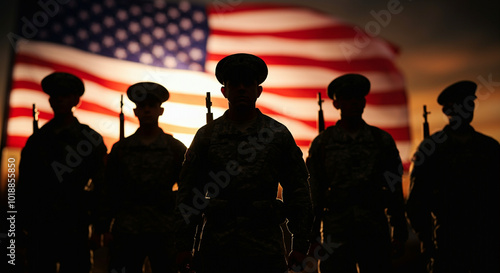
x=35, y=119
x=321, y=118
x=197, y=236
x=426, y=124
x=122, y=120
x=430, y=262
x=208, y=103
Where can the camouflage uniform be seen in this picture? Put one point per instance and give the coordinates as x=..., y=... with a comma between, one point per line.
x=54, y=195
x=238, y=170
x=457, y=179
x=139, y=188
x=353, y=181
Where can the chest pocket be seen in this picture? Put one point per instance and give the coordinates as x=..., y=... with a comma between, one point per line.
x=351, y=163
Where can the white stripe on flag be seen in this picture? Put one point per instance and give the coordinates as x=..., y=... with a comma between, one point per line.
x=284, y=19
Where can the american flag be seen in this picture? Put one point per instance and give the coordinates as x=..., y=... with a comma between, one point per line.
x=113, y=44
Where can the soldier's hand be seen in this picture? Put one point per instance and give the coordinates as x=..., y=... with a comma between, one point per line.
x=398, y=248
x=184, y=261
x=295, y=261
x=316, y=251
x=107, y=238
x=95, y=241
x=428, y=249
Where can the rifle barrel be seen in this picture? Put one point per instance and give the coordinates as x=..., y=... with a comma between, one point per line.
x=426, y=124
x=321, y=117
x=122, y=120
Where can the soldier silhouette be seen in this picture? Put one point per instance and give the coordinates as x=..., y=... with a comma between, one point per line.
x=355, y=177
x=59, y=165
x=140, y=174
x=230, y=179
x=455, y=182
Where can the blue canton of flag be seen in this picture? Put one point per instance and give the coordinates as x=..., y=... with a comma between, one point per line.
x=171, y=35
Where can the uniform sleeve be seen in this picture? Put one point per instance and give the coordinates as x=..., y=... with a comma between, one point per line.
x=179, y=153
x=107, y=198
x=316, y=181
x=396, y=206
x=26, y=184
x=190, y=198
x=297, y=195
x=418, y=207
x=98, y=184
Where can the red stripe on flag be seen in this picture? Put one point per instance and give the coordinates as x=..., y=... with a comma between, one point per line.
x=16, y=141
x=22, y=84
x=388, y=98
x=87, y=106
x=28, y=112
x=319, y=33
x=20, y=141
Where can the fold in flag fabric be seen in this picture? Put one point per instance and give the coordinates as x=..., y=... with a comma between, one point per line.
x=111, y=45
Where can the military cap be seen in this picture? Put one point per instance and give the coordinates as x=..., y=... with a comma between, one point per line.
x=352, y=84
x=140, y=91
x=62, y=83
x=458, y=92
x=239, y=63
